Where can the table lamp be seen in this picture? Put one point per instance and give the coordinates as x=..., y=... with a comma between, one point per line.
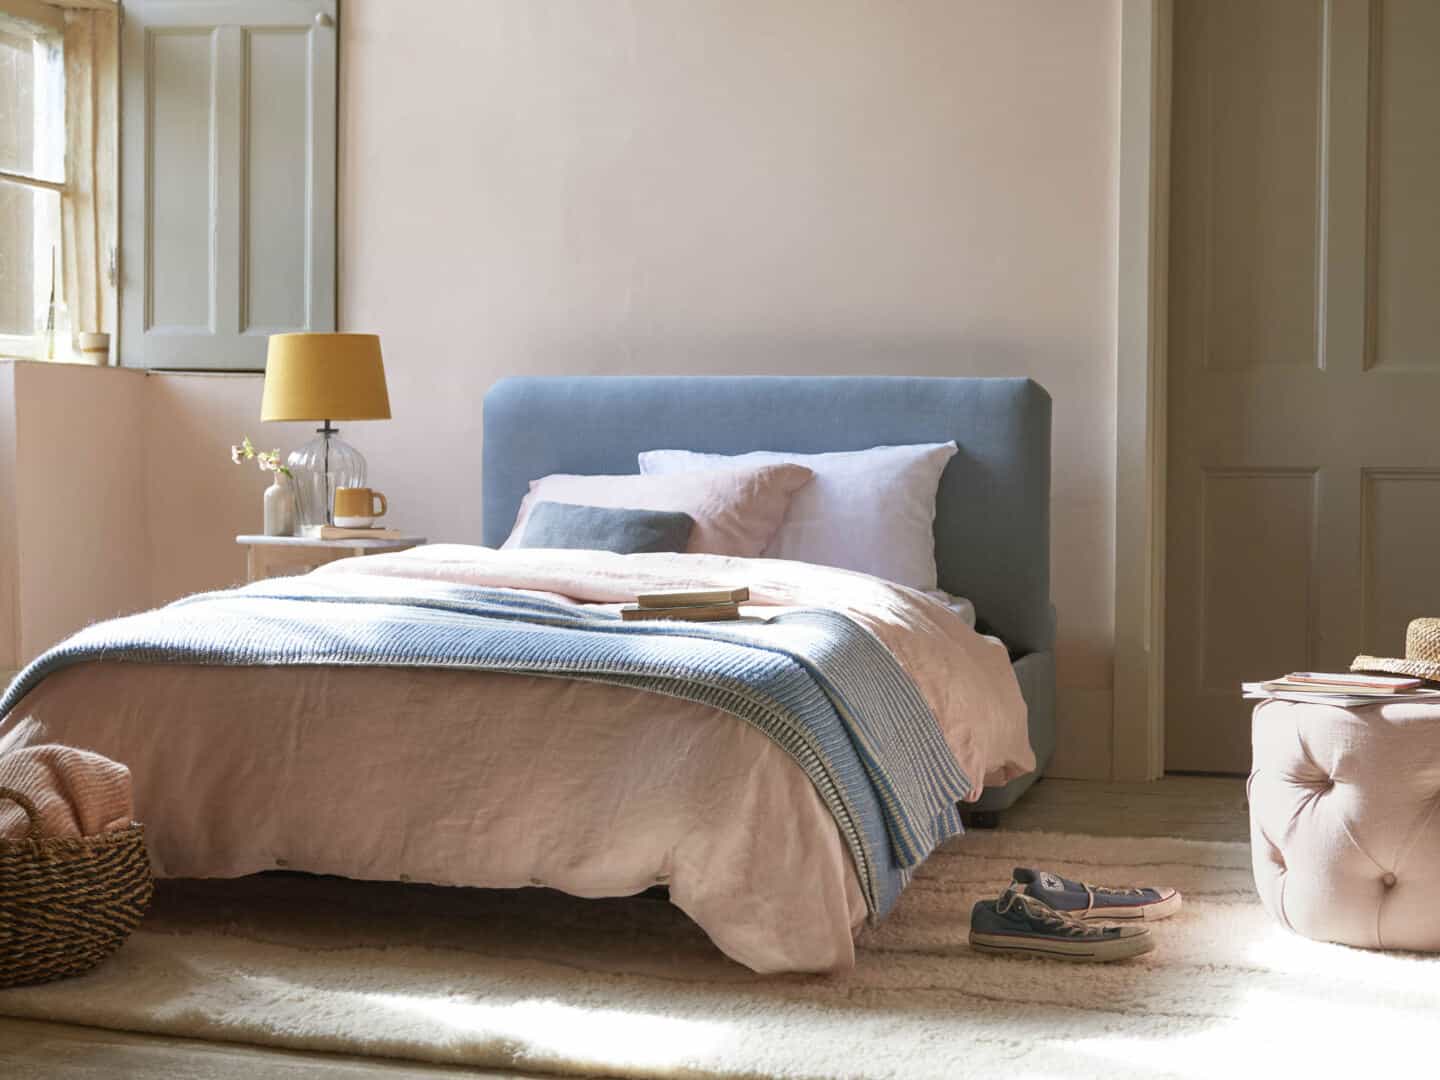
x=324, y=377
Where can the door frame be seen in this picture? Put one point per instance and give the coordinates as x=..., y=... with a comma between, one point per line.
x=1143, y=219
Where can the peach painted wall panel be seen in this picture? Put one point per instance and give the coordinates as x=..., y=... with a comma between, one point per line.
x=82, y=544
x=9, y=526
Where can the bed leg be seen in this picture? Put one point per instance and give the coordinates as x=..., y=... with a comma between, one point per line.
x=983, y=819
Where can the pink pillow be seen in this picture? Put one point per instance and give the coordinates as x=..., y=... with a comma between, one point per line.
x=736, y=511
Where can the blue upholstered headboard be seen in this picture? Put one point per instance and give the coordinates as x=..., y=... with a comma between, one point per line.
x=992, y=520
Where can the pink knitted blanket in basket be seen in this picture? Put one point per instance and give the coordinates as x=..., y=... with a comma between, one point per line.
x=77, y=793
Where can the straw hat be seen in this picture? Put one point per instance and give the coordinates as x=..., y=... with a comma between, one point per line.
x=1422, y=653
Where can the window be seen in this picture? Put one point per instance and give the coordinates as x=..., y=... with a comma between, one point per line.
x=58, y=174
x=32, y=177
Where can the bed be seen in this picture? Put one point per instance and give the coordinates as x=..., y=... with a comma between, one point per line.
x=330, y=753
x=992, y=512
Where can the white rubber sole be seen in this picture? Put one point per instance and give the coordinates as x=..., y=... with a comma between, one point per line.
x=1081, y=952
x=1161, y=909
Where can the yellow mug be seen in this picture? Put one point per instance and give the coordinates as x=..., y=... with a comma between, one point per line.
x=355, y=507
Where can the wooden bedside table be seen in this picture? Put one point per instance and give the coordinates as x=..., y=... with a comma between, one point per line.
x=282, y=556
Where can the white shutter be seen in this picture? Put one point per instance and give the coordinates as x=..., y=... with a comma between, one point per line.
x=228, y=178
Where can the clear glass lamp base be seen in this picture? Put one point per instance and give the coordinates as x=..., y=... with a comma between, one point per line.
x=323, y=464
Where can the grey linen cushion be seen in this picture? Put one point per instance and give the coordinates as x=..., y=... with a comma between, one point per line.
x=603, y=528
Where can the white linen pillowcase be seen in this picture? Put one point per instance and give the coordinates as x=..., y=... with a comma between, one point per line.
x=867, y=510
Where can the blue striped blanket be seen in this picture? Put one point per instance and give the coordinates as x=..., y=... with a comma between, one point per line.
x=821, y=686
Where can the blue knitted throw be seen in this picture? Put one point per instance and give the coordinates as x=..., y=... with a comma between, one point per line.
x=821, y=686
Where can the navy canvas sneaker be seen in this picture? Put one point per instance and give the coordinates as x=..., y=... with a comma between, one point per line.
x=1096, y=901
x=1020, y=924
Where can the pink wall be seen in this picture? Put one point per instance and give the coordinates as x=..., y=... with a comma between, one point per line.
x=795, y=186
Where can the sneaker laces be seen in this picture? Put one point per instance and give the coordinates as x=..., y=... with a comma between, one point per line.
x=1118, y=890
x=1041, y=912
x=1091, y=890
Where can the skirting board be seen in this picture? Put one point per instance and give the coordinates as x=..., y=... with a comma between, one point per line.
x=1083, y=726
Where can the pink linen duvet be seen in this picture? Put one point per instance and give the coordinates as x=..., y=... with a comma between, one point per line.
x=502, y=780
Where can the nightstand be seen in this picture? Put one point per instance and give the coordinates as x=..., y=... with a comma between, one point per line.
x=281, y=556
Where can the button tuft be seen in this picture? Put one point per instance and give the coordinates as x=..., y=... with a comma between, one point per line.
x=1388, y=880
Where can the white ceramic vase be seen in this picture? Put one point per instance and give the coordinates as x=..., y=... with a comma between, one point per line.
x=280, y=507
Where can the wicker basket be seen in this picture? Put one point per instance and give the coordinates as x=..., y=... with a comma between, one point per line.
x=66, y=903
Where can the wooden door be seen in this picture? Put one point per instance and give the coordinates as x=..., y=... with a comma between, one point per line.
x=228, y=166
x=1303, y=499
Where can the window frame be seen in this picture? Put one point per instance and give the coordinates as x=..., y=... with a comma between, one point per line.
x=38, y=22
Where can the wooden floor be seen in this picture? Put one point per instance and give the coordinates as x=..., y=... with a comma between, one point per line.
x=1197, y=808
x=1189, y=807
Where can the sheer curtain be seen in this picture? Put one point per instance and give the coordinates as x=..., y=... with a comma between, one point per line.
x=88, y=203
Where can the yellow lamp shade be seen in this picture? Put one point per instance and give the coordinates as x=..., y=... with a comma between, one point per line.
x=325, y=377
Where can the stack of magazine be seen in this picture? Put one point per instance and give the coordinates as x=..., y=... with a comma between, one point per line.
x=1347, y=690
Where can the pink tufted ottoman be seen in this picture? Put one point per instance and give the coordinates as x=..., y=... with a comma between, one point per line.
x=1345, y=821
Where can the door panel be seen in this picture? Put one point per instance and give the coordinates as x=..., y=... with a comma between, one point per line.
x=1398, y=559
x=1304, y=377
x=1261, y=180
x=276, y=142
x=1252, y=525
x=181, y=282
x=1406, y=161
x=228, y=168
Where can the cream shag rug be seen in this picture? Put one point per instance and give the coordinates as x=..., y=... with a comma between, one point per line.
x=536, y=980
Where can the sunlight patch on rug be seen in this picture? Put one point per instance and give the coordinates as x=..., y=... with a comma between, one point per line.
x=568, y=1032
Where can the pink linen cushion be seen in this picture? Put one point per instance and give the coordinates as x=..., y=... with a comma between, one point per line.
x=867, y=510
x=736, y=511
